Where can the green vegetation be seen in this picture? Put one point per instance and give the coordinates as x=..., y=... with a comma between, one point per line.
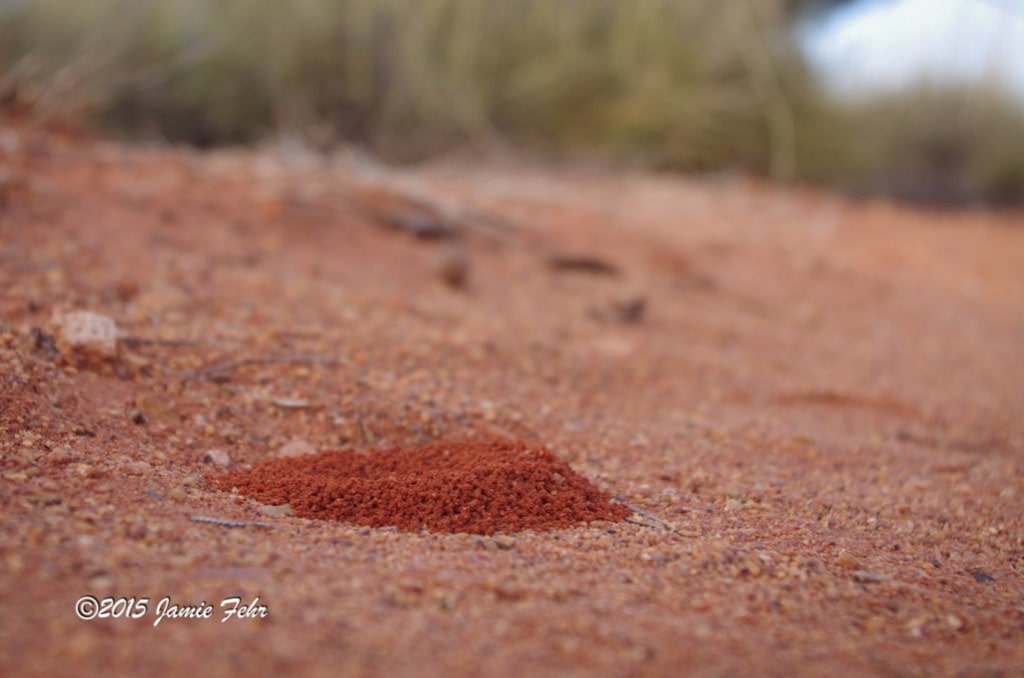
x=945, y=146
x=690, y=85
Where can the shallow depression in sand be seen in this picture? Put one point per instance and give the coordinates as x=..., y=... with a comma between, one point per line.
x=462, y=486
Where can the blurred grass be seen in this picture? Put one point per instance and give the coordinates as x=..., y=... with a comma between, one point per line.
x=690, y=85
x=941, y=145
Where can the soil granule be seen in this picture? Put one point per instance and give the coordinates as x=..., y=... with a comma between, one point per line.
x=479, y=487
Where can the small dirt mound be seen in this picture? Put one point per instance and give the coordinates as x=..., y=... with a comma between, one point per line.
x=479, y=487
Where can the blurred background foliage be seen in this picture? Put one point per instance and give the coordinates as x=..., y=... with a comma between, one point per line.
x=687, y=85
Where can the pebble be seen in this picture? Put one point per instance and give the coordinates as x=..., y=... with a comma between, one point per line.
x=136, y=530
x=87, y=334
x=192, y=481
x=296, y=447
x=277, y=511
x=865, y=577
x=453, y=267
x=218, y=457
x=499, y=543
x=846, y=561
x=290, y=403
x=156, y=408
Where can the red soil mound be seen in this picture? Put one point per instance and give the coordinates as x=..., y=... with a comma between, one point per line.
x=464, y=486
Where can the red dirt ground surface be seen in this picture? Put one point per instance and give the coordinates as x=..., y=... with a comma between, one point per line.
x=813, y=406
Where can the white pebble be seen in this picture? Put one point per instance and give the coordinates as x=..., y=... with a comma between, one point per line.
x=86, y=333
x=296, y=448
x=219, y=457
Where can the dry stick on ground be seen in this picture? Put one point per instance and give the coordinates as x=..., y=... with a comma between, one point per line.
x=641, y=523
x=289, y=358
x=424, y=216
x=140, y=341
x=230, y=523
x=639, y=511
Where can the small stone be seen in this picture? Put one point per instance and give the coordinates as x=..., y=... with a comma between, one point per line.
x=290, y=403
x=498, y=543
x=155, y=408
x=87, y=334
x=627, y=311
x=135, y=360
x=296, y=447
x=62, y=455
x=278, y=511
x=126, y=290
x=954, y=622
x=218, y=457
x=865, y=577
x=136, y=530
x=139, y=467
x=846, y=561
x=453, y=267
x=916, y=626
x=983, y=577
x=178, y=494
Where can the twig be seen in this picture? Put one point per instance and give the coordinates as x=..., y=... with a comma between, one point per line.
x=646, y=514
x=423, y=215
x=230, y=523
x=139, y=341
x=364, y=431
x=640, y=522
x=583, y=264
x=289, y=358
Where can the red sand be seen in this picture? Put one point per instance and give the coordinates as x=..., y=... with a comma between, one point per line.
x=821, y=400
x=479, y=487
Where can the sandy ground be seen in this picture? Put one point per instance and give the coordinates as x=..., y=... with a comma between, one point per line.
x=817, y=404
